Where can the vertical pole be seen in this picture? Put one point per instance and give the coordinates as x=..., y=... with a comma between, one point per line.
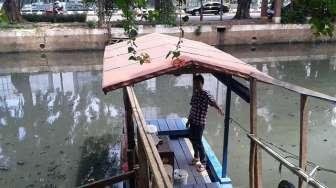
x=226, y=129
x=221, y=10
x=130, y=133
x=277, y=13
x=303, y=136
x=264, y=6
x=255, y=153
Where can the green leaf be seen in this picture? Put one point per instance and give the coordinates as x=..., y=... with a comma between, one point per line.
x=132, y=58
x=131, y=49
x=133, y=33
x=169, y=53
x=176, y=54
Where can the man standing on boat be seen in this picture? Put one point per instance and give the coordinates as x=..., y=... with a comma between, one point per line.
x=200, y=101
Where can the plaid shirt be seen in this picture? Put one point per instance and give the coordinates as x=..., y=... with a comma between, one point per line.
x=199, y=107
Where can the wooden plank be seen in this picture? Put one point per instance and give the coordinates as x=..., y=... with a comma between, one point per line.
x=189, y=186
x=255, y=160
x=180, y=124
x=256, y=157
x=185, y=149
x=154, y=122
x=303, y=136
x=214, y=164
x=181, y=160
x=109, y=181
x=171, y=124
x=163, y=125
x=176, y=165
x=160, y=176
x=130, y=133
x=211, y=185
x=295, y=88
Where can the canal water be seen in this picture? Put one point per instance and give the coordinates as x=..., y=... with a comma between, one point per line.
x=57, y=128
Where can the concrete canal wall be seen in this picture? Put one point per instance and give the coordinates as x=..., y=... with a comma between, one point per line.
x=80, y=38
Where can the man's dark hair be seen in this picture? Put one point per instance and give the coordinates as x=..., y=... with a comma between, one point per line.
x=199, y=78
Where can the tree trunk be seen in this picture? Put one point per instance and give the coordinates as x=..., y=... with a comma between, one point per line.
x=12, y=11
x=243, y=9
x=157, y=5
x=264, y=7
x=101, y=14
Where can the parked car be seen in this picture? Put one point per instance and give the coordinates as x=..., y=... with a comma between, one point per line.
x=208, y=8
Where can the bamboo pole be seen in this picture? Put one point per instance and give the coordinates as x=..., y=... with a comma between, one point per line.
x=130, y=133
x=303, y=136
x=158, y=173
x=255, y=153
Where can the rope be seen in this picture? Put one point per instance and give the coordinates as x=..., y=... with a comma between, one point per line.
x=290, y=155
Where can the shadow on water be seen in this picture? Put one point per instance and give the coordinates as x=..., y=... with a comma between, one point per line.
x=100, y=158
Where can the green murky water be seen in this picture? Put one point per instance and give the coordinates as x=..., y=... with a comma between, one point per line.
x=51, y=123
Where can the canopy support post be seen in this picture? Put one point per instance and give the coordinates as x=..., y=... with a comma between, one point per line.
x=303, y=136
x=255, y=152
x=130, y=133
x=226, y=129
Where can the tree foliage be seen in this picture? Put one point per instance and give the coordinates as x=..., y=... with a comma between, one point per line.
x=323, y=14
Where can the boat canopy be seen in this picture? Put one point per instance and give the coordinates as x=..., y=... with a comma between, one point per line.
x=195, y=57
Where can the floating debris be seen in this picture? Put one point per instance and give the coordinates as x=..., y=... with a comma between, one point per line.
x=291, y=115
x=30, y=186
x=47, y=147
x=4, y=168
x=51, y=169
x=20, y=163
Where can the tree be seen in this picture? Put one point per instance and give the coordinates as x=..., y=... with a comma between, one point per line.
x=243, y=9
x=322, y=14
x=12, y=11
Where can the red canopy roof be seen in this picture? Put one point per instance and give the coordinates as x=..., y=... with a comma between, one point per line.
x=119, y=71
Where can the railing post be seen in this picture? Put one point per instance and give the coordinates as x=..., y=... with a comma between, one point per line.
x=255, y=153
x=226, y=129
x=130, y=133
x=303, y=136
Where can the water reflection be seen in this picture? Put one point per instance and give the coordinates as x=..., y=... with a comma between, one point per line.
x=53, y=121
x=45, y=119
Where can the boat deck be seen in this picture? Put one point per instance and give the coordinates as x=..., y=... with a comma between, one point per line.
x=183, y=154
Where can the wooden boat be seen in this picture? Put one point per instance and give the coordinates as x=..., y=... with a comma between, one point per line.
x=147, y=164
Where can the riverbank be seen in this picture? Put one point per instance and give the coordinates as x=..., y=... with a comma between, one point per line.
x=84, y=60
x=62, y=38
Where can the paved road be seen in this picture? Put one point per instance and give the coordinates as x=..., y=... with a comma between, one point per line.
x=226, y=16
x=206, y=17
